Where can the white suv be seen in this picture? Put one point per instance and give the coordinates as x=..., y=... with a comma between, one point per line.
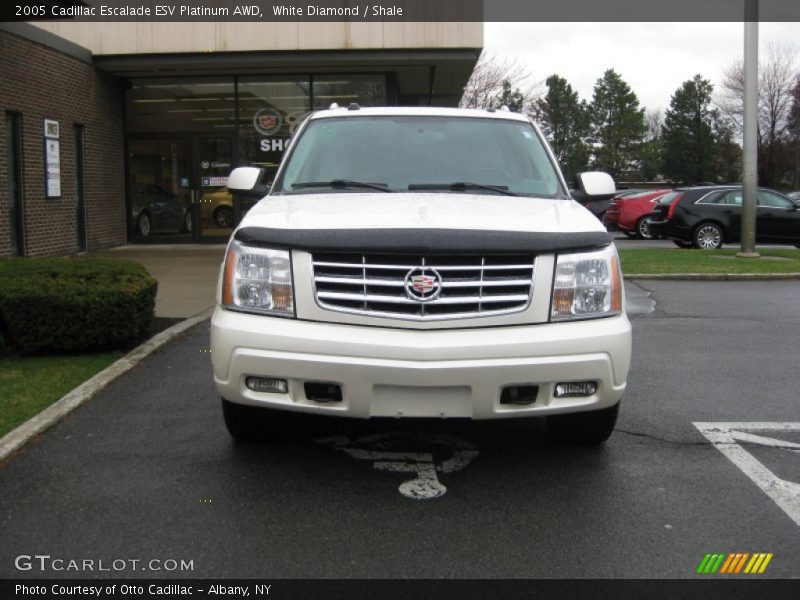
x=420, y=262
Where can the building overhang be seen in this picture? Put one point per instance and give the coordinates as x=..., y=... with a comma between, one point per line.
x=437, y=75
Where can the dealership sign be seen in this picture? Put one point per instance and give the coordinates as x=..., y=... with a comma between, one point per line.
x=267, y=121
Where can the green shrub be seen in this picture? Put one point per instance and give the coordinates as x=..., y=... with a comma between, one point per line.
x=62, y=304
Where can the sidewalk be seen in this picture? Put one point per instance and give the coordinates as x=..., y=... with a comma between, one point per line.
x=186, y=274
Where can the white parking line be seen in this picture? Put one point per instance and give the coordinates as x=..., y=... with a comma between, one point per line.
x=728, y=439
x=388, y=453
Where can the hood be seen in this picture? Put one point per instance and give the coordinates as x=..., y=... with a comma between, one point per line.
x=420, y=210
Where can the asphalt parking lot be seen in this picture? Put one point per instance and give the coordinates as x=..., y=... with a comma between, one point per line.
x=147, y=471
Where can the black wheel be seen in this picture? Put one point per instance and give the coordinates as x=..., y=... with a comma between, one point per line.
x=254, y=424
x=643, y=229
x=682, y=243
x=708, y=236
x=223, y=216
x=592, y=427
x=143, y=224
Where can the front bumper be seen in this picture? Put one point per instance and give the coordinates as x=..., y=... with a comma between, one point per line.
x=411, y=373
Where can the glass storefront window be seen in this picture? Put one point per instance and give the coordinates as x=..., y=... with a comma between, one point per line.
x=181, y=105
x=269, y=111
x=160, y=184
x=187, y=133
x=365, y=90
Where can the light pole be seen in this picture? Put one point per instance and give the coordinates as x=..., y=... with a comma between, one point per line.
x=750, y=149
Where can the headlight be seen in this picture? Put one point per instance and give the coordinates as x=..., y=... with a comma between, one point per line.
x=587, y=285
x=258, y=280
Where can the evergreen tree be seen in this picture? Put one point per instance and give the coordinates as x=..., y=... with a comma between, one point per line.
x=691, y=134
x=618, y=124
x=564, y=120
x=512, y=98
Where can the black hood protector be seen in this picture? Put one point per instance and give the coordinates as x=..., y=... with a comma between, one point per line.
x=444, y=241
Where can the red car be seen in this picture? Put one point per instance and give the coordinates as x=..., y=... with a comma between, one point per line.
x=631, y=214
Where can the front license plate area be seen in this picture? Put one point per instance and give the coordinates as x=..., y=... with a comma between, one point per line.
x=417, y=401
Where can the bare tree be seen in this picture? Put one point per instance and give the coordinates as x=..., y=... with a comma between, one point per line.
x=794, y=131
x=777, y=74
x=654, y=119
x=487, y=81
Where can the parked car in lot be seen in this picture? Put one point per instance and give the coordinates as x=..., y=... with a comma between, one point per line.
x=156, y=210
x=420, y=262
x=599, y=206
x=795, y=196
x=631, y=214
x=709, y=216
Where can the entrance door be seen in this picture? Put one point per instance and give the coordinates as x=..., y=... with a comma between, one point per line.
x=214, y=159
x=161, y=189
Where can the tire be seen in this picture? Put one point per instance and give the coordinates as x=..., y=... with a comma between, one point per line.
x=708, y=236
x=682, y=244
x=223, y=216
x=629, y=234
x=587, y=428
x=143, y=224
x=254, y=424
x=187, y=222
x=643, y=229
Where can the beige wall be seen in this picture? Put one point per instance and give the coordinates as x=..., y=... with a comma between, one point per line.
x=156, y=38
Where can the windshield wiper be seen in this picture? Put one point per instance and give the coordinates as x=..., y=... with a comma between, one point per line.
x=341, y=184
x=462, y=186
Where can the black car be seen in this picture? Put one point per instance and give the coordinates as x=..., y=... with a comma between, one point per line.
x=706, y=217
x=157, y=210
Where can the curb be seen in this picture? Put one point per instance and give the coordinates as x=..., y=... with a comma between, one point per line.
x=19, y=437
x=718, y=276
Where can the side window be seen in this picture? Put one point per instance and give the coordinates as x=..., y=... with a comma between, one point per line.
x=734, y=198
x=713, y=198
x=773, y=200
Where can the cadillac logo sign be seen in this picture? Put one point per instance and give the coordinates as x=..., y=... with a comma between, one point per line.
x=267, y=121
x=423, y=284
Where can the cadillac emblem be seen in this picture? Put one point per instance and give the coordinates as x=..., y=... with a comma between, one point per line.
x=267, y=121
x=423, y=284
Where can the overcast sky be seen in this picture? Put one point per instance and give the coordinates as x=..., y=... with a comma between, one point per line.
x=653, y=58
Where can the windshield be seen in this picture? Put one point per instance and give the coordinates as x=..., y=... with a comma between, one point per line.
x=420, y=153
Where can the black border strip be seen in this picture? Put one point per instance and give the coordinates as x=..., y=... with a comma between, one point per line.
x=376, y=11
x=369, y=11
x=422, y=240
x=745, y=587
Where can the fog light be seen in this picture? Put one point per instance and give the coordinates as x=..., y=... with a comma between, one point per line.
x=519, y=394
x=267, y=384
x=567, y=389
x=323, y=392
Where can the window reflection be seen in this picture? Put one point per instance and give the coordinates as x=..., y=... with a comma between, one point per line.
x=160, y=106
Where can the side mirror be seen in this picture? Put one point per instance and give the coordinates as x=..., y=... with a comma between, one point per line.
x=245, y=179
x=595, y=183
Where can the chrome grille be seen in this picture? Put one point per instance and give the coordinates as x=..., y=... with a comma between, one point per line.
x=378, y=284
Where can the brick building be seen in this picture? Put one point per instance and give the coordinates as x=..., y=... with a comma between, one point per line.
x=120, y=133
